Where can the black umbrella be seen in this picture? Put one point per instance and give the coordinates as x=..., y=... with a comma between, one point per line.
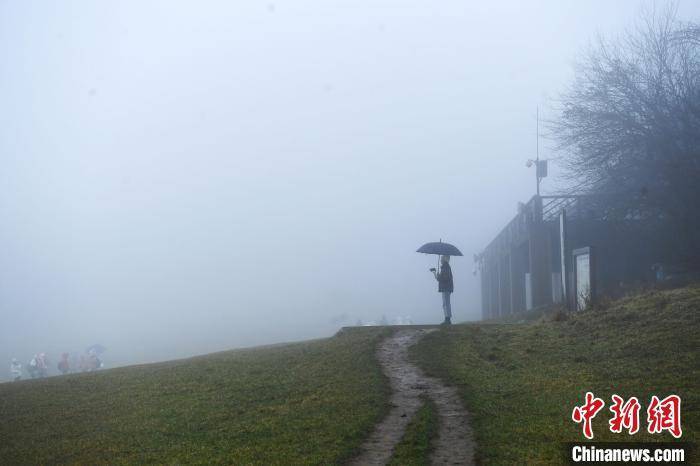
x=440, y=249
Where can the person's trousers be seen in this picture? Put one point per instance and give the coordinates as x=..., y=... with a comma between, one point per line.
x=446, y=306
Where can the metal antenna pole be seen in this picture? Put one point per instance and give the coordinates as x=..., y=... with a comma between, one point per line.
x=537, y=158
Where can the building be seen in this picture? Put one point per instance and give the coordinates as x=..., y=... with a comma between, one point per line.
x=521, y=269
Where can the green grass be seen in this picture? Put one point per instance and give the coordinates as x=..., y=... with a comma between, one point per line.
x=417, y=443
x=315, y=402
x=305, y=403
x=521, y=381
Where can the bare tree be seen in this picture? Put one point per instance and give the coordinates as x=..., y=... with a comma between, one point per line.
x=629, y=125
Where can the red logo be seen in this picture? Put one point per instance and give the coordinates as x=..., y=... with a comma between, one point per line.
x=625, y=415
x=662, y=415
x=587, y=412
x=665, y=415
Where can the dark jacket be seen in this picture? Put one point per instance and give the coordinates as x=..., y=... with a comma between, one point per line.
x=445, y=279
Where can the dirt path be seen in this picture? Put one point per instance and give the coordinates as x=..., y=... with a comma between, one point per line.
x=455, y=443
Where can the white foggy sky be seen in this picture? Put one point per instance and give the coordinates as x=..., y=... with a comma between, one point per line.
x=183, y=177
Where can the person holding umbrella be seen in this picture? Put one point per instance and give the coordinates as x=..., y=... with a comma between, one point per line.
x=443, y=274
x=445, y=286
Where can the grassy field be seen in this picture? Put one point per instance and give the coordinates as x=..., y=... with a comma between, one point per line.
x=521, y=381
x=305, y=403
x=315, y=402
x=417, y=443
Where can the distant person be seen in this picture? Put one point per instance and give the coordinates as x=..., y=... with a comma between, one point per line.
x=96, y=362
x=16, y=370
x=90, y=362
x=42, y=365
x=659, y=272
x=64, y=364
x=33, y=367
x=445, y=286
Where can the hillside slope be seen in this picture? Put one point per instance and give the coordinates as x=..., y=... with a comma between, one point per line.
x=315, y=402
x=521, y=381
x=310, y=402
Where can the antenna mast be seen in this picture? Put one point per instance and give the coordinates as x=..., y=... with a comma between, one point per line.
x=537, y=158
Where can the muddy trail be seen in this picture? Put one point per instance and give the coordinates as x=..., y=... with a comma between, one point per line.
x=455, y=442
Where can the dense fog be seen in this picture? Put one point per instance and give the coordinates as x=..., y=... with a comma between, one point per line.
x=185, y=177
